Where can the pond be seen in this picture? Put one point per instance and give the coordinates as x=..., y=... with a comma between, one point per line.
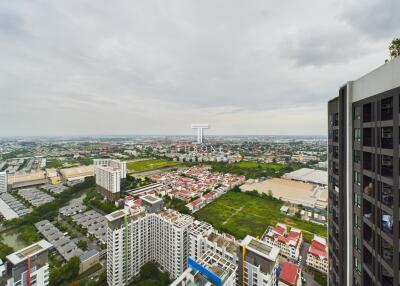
x=10, y=238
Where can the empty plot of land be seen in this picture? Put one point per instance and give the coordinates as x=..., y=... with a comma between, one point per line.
x=288, y=190
x=146, y=165
x=241, y=213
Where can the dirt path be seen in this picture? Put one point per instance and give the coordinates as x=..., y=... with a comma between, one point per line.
x=233, y=214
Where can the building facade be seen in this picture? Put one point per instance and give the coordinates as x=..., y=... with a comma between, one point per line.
x=108, y=182
x=317, y=255
x=115, y=164
x=3, y=182
x=28, y=266
x=363, y=155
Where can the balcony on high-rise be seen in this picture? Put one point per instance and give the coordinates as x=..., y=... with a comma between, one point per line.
x=386, y=195
x=368, y=235
x=368, y=161
x=386, y=166
x=387, y=109
x=367, y=112
x=387, y=137
x=368, y=137
x=368, y=186
x=368, y=210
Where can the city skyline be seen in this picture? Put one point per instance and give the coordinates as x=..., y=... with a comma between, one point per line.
x=90, y=70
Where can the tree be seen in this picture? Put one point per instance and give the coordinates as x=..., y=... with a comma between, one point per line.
x=82, y=244
x=394, y=48
x=65, y=274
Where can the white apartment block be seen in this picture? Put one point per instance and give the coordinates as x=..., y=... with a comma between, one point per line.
x=137, y=236
x=28, y=266
x=210, y=269
x=108, y=181
x=258, y=263
x=3, y=182
x=289, y=242
x=204, y=238
x=115, y=164
x=317, y=256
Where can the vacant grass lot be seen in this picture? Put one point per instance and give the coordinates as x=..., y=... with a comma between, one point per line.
x=146, y=165
x=240, y=214
x=253, y=170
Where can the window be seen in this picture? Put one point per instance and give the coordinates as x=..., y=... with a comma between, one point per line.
x=357, y=113
x=357, y=135
x=357, y=178
x=357, y=265
x=357, y=156
x=357, y=200
x=357, y=221
x=357, y=243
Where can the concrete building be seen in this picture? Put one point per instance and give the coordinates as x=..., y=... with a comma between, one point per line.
x=3, y=182
x=115, y=164
x=108, y=175
x=203, y=237
x=28, y=266
x=210, y=269
x=363, y=182
x=258, y=263
x=317, y=256
x=76, y=173
x=289, y=242
x=138, y=236
x=88, y=259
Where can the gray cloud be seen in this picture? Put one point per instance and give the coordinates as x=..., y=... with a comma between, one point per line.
x=89, y=67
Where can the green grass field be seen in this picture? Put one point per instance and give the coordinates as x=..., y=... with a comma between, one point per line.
x=240, y=214
x=152, y=164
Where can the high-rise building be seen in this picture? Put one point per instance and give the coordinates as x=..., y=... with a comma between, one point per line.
x=28, y=266
x=116, y=164
x=364, y=174
x=3, y=182
x=146, y=234
x=258, y=263
x=108, y=175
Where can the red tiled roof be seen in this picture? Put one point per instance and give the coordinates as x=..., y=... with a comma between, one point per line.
x=317, y=252
x=283, y=239
x=279, y=229
x=294, y=235
x=289, y=273
x=318, y=245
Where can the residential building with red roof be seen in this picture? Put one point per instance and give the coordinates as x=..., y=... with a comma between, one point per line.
x=289, y=275
x=317, y=256
x=289, y=242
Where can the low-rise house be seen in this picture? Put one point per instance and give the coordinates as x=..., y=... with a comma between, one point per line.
x=289, y=242
x=317, y=256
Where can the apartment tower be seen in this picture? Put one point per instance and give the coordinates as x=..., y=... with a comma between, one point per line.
x=363, y=155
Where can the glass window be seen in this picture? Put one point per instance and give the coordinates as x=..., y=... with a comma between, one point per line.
x=357, y=135
x=357, y=200
x=357, y=113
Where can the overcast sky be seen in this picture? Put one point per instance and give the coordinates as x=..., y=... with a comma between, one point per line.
x=154, y=67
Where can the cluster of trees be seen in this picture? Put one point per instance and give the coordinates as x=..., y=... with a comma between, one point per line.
x=65, y=274
x=5, y=250
x=150, y=275
x=320, y=278
x=131, y=183
x=176, y=204
x=95, y=200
